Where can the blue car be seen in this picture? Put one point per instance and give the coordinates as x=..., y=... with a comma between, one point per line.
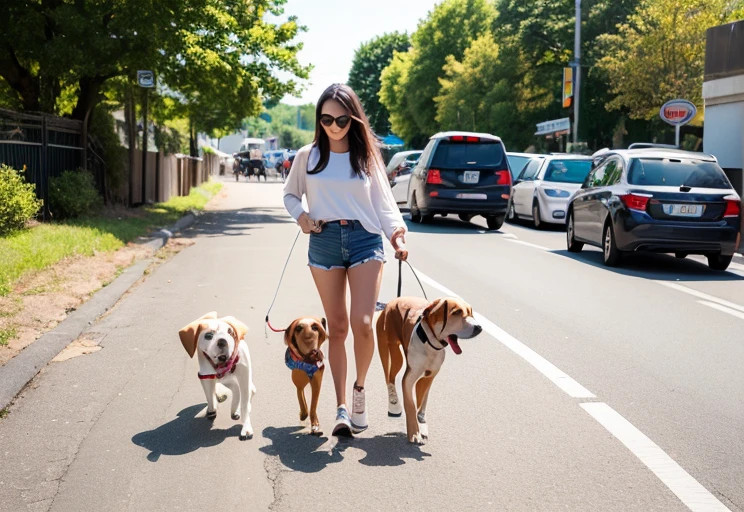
x=656, y=200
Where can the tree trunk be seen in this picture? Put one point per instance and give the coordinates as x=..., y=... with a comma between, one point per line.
x=193, y=149
x=89, y=96
x=20, y=80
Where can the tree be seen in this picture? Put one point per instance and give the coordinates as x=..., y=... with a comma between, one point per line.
x=413, y=83
x=216, y=58
x=659, y=53
x=365, y=75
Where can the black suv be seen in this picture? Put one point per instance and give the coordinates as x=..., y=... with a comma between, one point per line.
x=462, y=173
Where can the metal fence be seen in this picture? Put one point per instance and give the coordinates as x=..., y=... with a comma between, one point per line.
x=46, y=146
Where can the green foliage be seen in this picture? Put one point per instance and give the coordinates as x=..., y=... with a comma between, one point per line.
x=73, y=194
x=6, y=335
x=369, y=61
x=215, y=59
x=112, y=152
x=18, y=203
x=292, y=138
x=659, y=53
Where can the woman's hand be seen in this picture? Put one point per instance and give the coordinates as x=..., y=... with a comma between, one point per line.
x=398, y=241
x=308, y=225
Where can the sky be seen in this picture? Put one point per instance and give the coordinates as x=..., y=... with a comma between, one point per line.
x=336, y=28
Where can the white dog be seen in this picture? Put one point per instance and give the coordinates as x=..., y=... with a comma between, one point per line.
x=223, y=358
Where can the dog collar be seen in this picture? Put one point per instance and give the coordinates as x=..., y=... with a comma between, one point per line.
x=295, y=363
x=421, y=333
x=220, y=370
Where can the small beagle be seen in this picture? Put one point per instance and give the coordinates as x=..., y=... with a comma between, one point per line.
x=304, y=338
x=423, y=330
x=223, y=358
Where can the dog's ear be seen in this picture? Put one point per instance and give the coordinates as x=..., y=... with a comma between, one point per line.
x=437, y=313
x=323, y=323
x=323, y=331
x=190, y=334
x=289, y=333
x=239, y=327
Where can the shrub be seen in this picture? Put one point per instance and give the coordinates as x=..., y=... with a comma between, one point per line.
x=18, y=203
x=73, y=194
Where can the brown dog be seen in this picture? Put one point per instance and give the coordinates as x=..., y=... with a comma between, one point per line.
x=423, y=329
x=304, y=338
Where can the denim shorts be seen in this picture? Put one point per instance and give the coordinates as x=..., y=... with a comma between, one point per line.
x=344, y=244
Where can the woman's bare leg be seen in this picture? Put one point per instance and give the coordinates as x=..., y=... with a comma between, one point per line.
x=331, y=285
x=364, y=285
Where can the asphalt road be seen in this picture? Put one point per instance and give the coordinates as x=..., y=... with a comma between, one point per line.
x=590, y=388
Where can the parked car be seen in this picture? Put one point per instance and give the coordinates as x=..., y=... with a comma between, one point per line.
x=518, y=161
x=402, y=161
x=462, y=173
x=657, y=200
x=543, y=188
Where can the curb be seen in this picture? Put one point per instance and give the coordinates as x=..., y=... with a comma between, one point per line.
x=739, y=258
x=16, y=373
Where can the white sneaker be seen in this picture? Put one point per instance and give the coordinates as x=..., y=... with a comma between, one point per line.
x=395, y=409
x=343, y=425
x=358, y=411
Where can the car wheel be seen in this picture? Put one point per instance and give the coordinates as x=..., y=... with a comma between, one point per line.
x=415, y=213
x=719, y=262
x=610, y=251
x=571, y=244
x=465, y=217
x=536, y=222
x=495, y=222
x=511, y=215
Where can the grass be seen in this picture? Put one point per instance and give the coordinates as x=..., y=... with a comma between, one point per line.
x=6, y=335
x=4, y=413
x=46, y=244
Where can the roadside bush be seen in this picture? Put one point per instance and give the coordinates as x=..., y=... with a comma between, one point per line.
x=18, y=203
x=73, y=194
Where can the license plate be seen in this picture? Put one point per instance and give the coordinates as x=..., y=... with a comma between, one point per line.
x=470, y=176
x=471, y=196
x=683, y=210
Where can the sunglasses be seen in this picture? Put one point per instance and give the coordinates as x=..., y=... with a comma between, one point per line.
x=341, y=121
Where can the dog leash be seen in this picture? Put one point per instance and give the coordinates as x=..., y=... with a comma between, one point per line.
x=281, y=277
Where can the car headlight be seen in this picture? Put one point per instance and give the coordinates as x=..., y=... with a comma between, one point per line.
x=554, y=192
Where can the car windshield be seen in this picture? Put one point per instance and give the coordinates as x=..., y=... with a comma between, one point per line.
x=397, y=158
x=458, y=155
x=674, y=172
x=568, y=171
x=517, y=163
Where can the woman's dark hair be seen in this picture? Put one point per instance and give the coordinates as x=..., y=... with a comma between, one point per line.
x=363, y=149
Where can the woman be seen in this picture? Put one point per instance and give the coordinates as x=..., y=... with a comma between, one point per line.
x=350, y=205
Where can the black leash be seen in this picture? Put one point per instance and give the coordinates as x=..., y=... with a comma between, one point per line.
x=381, y=305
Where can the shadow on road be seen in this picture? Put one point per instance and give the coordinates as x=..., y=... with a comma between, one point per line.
x=449, y=226
x=658, y=267
x=305, y=453
x=236, y=222
x=183, y=435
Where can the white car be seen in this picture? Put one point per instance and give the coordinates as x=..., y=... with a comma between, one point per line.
x=400, y=186
x=542, y=190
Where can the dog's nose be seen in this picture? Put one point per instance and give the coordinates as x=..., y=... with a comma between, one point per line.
x=477, y=330
x=222, y=344
x=222, y=359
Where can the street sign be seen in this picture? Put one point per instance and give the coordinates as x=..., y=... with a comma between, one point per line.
x=146, y=79
x=568, y=83
x=555, y=126
x=678, y=112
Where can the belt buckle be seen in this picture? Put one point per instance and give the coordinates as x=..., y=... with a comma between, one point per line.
x=344, y=222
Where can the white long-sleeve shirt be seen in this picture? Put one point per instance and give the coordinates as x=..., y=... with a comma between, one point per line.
x=337, y=193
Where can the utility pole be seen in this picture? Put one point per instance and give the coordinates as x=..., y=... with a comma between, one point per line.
x=577, y=72
x=146, y=80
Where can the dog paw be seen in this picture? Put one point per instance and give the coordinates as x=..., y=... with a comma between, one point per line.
x=211, y=415
x=417, y=438
x=246, y=434
x=424, y=431
x=303, y=416
x=315, y=430
x=235, y=416
x=221, y=398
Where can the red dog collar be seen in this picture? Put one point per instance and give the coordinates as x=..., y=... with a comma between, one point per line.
x=220, y=370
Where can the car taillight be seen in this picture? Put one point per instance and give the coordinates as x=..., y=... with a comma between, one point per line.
x=462, y=138
x=635, y=201
x=503, y=178
x=434, y=177
x=733, y=208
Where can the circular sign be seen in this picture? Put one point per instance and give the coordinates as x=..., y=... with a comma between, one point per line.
x=678, y=112
x=146, y=79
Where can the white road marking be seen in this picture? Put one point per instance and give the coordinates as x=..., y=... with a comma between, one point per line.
x=510, y=235
x=684, y=486
x=552, y=372
x=701, y=295
x=679, y=481
x=529, y=244
x=730, y=311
